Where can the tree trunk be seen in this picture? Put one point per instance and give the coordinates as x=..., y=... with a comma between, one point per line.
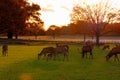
x=84, y=38
x=10, y=35
x=97, y=40
x=97, y=34
x=16, y=36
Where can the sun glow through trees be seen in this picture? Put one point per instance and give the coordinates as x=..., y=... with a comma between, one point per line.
x=57, y=12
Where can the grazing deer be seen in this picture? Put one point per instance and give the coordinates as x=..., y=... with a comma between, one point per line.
x=87, y=49
x=4, y=49
x=62, y=45
x=50, y=52
x=114, y=52
x=106, y=47
x=61, y=50
x=58, y=50
x=46, y=51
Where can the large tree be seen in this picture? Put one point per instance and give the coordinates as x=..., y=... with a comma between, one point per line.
x=98, y=14
x=14, y=14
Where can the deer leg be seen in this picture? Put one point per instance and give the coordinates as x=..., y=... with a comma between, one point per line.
x=116, y=57
x=44, y=56
x=3, y=53
x=7, y=52
x=39, y=56
x=49, y=57
x=55, y=55
x=66, y=56
x=86, y=55
x=83, y=53
x=67, y=51
x=91, y=54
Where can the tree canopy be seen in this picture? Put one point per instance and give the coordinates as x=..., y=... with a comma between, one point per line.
x=15, y=14
x=99, y=15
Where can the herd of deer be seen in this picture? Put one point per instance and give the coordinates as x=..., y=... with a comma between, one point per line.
x=50, y=52
x=53, y=52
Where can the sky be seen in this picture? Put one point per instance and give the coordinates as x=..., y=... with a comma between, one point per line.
x=57, y=12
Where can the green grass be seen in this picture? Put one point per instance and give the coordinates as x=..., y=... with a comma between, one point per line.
x=22, y=64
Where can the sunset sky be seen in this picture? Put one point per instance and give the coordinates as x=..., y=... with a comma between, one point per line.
x=56, y=12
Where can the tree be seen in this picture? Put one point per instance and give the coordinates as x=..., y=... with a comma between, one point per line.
x=51, y=30
x=114, y=28
x=81, y=28
x=11, y=17
x=35, y=29
x=15, y=14
x=58, y=31
x=99, y=15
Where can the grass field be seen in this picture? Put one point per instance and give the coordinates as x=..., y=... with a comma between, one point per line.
x=22, y=64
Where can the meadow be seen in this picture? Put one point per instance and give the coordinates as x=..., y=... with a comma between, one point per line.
x=22, y=64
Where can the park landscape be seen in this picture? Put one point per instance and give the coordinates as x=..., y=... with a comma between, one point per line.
x=28, y=27
x=22, y=64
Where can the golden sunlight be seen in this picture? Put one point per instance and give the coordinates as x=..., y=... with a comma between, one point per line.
x=57, y=12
